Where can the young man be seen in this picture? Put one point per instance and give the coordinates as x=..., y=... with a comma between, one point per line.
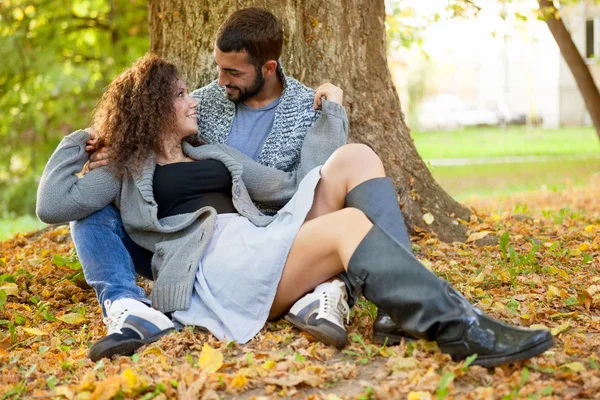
x=253, y=107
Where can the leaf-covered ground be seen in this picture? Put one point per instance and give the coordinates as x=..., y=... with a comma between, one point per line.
x=542, y=271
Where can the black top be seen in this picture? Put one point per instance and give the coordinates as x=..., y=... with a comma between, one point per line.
x=186, y=187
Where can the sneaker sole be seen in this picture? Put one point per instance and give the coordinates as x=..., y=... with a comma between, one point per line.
x=533, y=351
x=126, y=348
x=325, y=337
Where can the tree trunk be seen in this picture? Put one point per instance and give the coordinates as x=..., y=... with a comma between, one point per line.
x=579, y=69
x=341, y=41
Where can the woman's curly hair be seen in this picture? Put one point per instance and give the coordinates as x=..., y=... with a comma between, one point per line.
x=136, y=111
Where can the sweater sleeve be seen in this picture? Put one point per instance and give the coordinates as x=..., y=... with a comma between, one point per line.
x=64, y=197
x=273, y=187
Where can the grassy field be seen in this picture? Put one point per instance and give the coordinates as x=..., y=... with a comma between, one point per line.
x=513, y=141
x=577, y=152
x=10, y=226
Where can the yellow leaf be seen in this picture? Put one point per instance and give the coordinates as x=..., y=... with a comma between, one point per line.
x=332, y=397
x=132, y=383
x=10, y=288
x=561, y=328
x=575, y=366
x=477, y=236
x=108, y=388
x=584, y=246
x=72, y=318
x=210, y=359
x=153, y=350
x=34, y=331
x=428, y=218
x=269, y=364
x=239, y=381
x=539, y=326
x=589, y=229
x=402, y=363
x=419, y=396
x=592, y=290
x=575, y=252
x=479, y=278
x=525, y=316
x=553, y=291
x=64, y=391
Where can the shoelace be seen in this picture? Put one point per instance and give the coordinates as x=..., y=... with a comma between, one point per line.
x=113, y=320
x=336, y=305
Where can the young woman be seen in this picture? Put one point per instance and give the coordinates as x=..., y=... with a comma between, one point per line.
x=221, y=264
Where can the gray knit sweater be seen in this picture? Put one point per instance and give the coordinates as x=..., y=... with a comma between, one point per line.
x=178, y=241
x=294, y=115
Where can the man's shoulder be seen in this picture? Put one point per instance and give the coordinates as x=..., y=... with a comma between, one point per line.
x=297, y=89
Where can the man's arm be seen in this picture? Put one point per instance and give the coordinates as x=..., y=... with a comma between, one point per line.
x=273, y=187
x=62, y=196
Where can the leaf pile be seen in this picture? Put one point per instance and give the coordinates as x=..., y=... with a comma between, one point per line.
x=542, y=272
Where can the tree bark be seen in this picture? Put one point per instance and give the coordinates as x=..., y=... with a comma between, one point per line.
x=579, y=69
x=340, y=41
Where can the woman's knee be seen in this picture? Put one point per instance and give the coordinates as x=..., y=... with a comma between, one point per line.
x=358, y=158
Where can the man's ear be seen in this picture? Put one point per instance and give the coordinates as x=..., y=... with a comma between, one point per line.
x=270, y=68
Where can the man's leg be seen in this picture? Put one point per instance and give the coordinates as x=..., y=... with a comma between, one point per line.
x=108, y=267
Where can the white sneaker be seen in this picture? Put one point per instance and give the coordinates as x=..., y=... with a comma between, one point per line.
x=322, y=314
x=131, y=324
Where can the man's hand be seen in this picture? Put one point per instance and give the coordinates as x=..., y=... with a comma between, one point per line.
x=98, y=152
x=330, y=92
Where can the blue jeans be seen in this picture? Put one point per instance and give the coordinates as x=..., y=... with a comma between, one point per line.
x=110, y=259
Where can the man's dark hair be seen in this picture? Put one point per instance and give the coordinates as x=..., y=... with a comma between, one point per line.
x=254, y=30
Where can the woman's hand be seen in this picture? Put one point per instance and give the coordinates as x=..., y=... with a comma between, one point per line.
x=98, y=152
x=330, y=92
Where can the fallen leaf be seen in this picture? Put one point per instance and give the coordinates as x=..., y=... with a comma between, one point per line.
x=559, y=329
x=210, y=359
x=132, y=382
x=553, y=291
x=428, y=218
x=10, y=288
x=419, y=396
x=35, y=331
x=72, y=318
x=477, y=236
x=575, y=366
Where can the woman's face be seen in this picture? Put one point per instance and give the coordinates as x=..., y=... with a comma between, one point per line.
x=185, y=111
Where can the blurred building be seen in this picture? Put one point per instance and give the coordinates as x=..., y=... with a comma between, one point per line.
x=492, y=70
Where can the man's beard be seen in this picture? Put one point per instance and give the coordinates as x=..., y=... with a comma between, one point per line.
x=244, y=94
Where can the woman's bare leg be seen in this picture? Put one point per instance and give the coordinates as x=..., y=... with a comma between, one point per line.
x=322, y=249
x=348, y=167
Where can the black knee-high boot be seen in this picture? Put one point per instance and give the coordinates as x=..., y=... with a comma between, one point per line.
x=426, y=306
x=377, y=198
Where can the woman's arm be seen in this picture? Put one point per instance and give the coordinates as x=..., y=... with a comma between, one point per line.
x=62, y=196
x=273, y=187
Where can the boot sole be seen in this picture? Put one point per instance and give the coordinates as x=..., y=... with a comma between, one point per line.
x=492, y=361
x=392, y=340
x=126, y=348
x=324, y=337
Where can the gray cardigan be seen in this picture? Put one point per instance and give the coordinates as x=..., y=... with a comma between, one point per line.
x=294, y=115
x=178, y=241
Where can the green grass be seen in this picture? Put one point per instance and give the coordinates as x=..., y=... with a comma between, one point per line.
x=463, y=182
x=10, y=226
x=512, y=141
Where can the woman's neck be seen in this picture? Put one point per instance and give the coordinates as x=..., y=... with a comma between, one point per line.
x=172, y=152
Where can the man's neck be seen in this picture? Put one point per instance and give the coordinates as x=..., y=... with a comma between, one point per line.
x=270, y=92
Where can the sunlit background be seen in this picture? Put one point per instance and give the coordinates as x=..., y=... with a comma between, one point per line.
x=492, y=106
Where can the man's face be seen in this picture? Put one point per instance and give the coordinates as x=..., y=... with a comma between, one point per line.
x=241, y=79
